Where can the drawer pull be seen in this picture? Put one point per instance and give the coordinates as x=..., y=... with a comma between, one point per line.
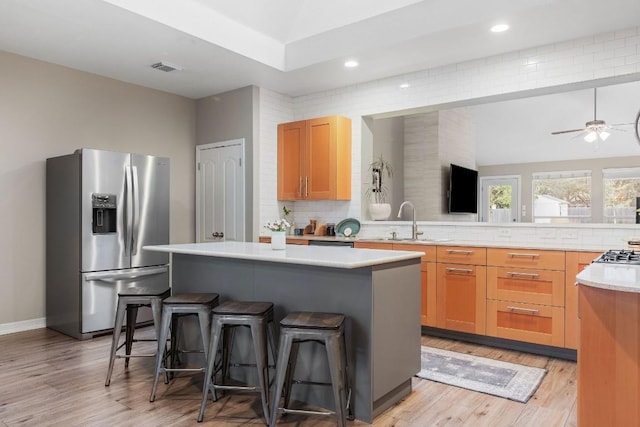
x=459, y=251
x=525, y=310
x=515, y=254
x=459, y=270
x=518, y=274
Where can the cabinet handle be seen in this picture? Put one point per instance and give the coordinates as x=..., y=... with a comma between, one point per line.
x=525, y=310
x=459, y=251
x=517, y=274
x=459, y=270
x=515, y=254
x=300, y=187
x=306, y=187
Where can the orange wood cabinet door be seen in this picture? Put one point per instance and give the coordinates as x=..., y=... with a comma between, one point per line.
x=263, y=239
x=314, y=159
x=292, y=138
x=576, y=262
x=428, y=280
x=540, y=324
x=461, y=297
x=608, y=358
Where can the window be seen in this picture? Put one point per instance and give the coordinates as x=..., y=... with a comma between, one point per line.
x=562, y=197
x=621, y=187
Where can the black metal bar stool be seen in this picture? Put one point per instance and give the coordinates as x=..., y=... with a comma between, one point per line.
x=129, y=300
x=180, y=305
x=258, y=316
x=327, y=329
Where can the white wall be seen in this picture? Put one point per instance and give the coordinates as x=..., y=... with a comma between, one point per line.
x=48, y=110
x=608, y=55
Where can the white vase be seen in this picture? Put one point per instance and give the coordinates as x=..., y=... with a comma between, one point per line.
x=379, y=211
x=278, y=240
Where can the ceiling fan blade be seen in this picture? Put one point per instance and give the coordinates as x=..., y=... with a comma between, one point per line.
x=566, y=131
x=622, y=124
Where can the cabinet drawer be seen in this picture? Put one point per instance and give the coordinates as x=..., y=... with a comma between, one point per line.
x=373, y=245
x=527, y=258
x=526, y=285
x=539, y=324
x=462, y=255
x=429, y=251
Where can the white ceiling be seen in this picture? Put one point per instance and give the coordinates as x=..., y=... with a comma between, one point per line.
x=519, y=131
x=294, y=47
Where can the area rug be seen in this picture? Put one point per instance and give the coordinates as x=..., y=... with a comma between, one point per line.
x=503, y=379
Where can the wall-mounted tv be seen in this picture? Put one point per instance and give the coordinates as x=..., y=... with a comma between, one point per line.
x=463, y=190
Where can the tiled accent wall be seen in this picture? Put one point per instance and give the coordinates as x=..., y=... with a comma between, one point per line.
x=600, y=56
x=422, y=165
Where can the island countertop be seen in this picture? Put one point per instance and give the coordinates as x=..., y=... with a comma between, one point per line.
x=614, y=277
x=323, y=256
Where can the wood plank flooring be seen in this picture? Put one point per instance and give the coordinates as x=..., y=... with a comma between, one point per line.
x=48, y=379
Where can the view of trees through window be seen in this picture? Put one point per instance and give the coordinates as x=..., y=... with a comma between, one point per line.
x=562, y=199
x=620, y=199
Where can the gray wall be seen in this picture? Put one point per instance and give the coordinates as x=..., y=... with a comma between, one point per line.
x=235, y=115
x=48, y=110
x=388, y=141
x=525, y=171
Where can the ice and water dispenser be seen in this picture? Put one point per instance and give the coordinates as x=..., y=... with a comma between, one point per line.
x=104, y=213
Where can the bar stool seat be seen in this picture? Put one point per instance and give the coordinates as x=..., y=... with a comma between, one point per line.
x=129, y=301
x=327, y=329
x=258, y=316
x=175, y=306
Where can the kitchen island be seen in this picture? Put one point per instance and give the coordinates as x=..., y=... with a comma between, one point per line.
x=378, y=291
x=609, y=350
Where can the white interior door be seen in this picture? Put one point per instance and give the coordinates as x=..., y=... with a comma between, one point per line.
x=500, y=199
x=220, y=191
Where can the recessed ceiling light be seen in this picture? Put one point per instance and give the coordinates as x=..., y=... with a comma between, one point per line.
x=404, y=85
x=351, y=63
x=499, y=28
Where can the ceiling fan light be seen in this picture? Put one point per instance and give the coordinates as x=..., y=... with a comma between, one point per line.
x=604, y=135
x=591, y=136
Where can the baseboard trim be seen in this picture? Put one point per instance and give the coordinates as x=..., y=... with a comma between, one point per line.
x=25, y=325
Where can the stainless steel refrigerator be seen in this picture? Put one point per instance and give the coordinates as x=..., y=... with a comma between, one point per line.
x=102, y=208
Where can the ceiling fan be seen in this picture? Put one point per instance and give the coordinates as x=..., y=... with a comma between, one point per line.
x=594, y=130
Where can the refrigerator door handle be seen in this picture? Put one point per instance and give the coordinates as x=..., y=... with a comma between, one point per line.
x=110, y=276
x=128, y=210
x=136, y=211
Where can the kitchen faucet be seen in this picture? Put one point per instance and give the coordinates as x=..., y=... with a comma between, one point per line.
x=414, y=227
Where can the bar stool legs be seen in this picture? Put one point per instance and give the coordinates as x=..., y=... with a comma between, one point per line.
x=328, y=329
x=197, y=304
x=129, y=300
x=255, y=315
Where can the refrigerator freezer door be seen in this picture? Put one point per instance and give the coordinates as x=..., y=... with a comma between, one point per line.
x=100, y=294
x=103, y=172
x=150, y=176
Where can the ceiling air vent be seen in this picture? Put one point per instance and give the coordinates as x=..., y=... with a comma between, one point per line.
x=166, y=67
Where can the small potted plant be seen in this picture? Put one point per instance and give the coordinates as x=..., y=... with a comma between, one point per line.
x=288, y=216
x=379, y=209
x=278, y=230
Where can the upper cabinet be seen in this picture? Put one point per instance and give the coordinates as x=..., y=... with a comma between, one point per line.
x=314, y=159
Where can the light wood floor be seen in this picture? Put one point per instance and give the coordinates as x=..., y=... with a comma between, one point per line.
x=48, y=379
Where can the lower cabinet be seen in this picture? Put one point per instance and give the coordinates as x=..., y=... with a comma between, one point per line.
x=461, y=295
x=290, y=241
x=576, y=262
x=539, y=324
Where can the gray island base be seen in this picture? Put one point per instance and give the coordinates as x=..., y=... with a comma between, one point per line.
x=378, y=291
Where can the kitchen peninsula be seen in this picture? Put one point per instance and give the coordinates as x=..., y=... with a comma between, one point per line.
x=378, y=291
x=609, y=351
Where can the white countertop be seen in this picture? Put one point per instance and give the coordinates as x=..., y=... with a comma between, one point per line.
x=615, y=277
x=323, y=256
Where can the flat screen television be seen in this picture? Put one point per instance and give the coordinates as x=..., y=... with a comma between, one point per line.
x=463, y=190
